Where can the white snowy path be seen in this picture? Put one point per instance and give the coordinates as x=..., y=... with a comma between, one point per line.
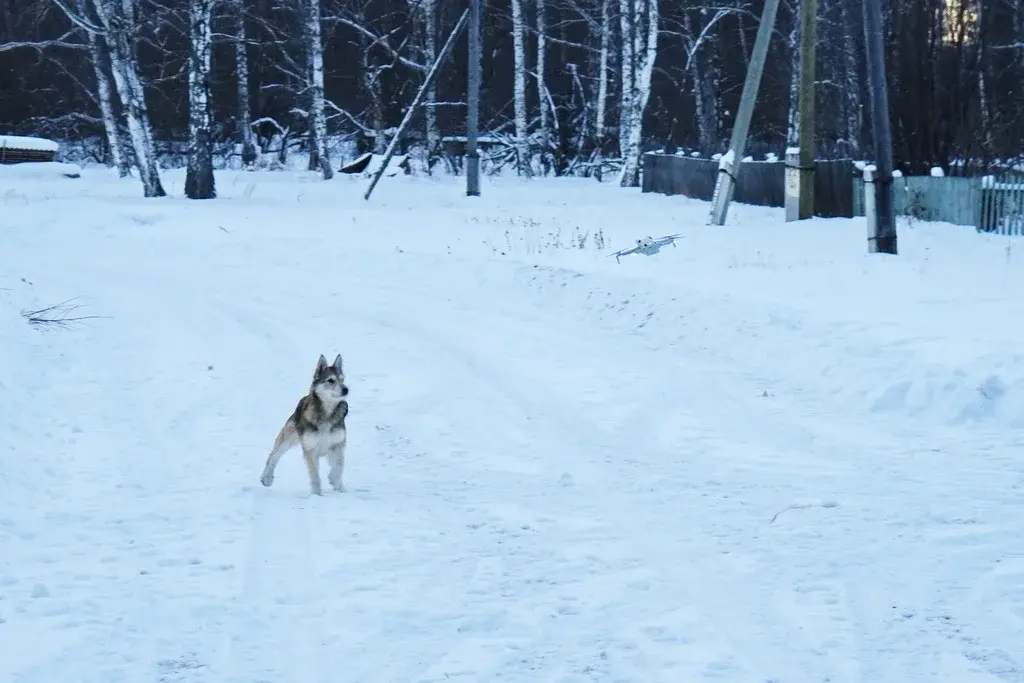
x=536, y=493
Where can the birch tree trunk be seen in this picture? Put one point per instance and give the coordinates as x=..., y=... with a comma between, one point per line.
x=312, y=146
x=602, y=76
x=99, y=57
x=601, y=102
x=243, y=116
x=118, y=20
x=644, y=50
x=433, y=136
x=793, y=118
x=627, y=69
x=519, y=95
x=542, y=90
x=317, y=117
x=134, y=76
x=199, y=183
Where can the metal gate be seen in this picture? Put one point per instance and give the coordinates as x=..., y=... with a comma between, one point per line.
x=1002, y=204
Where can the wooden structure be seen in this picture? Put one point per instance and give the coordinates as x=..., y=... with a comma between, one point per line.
x=16, y=149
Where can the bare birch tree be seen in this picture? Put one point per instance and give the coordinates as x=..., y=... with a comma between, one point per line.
x=433, y=136
x=199, y=182
x=601, y=105
x=641, y=33
x=117, y=21
x=100, y=58
x=542, y=90
x=317, y=117
x=793, y=45
x=627, y=71
x=243, y=108
x=522, y=141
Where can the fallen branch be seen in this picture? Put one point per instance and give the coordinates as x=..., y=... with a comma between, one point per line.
x=58, y=315
x=825, y=504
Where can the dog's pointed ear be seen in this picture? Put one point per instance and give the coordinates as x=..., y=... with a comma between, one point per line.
x=337, y=363
x=321, y=365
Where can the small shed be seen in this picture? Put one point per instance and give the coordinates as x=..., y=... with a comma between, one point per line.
x=17, y=149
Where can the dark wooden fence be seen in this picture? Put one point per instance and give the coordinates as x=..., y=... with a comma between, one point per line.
x=757, y=182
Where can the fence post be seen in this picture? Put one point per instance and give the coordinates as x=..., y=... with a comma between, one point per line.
x=980, y=212
x=794, y=184
x=870, y=208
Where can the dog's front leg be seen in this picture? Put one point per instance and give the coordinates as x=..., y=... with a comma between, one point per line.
x=286, y=438
x=312, y=459
x=336, y=458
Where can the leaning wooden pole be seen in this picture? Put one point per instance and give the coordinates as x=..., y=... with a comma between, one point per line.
x=431, y=75
x=726, y=183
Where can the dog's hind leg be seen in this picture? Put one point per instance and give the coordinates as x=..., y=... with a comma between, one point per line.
x=336, y=458
x=312, y=459
x=286, y=438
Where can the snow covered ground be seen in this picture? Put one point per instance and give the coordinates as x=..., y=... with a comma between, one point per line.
x=760, y=455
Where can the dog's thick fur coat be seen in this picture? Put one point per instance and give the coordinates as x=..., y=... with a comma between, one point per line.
x=318, y=425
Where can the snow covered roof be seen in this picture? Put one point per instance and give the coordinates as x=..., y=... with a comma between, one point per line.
x=479, y=138
x=24, y=142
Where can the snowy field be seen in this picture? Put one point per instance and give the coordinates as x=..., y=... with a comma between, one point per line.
x=760, y=455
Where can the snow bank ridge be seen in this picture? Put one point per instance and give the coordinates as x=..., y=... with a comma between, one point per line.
x=797, y=355
x=988, y=390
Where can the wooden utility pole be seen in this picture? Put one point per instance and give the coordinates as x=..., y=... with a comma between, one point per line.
x=473, y=102
x=882, y=235
x=431, y=75
x=804, y=201
x=727, y=167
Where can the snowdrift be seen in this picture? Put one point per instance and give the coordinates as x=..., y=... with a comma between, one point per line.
x=41, y=170
x=783, y=347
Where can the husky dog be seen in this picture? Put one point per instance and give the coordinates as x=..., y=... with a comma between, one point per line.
x=318, y=425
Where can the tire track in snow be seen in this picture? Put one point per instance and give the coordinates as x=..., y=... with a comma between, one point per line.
x=823, y=598
x=910, y=585
x=592, y=572
x=276, y=634
x=277, y=624
x=165, y=509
